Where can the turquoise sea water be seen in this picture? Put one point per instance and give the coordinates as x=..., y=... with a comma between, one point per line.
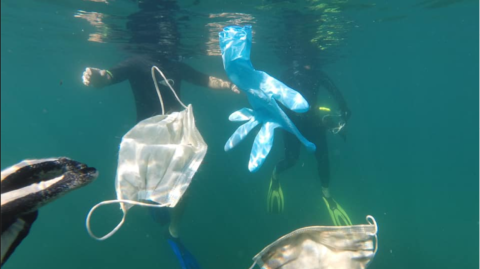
x=408, y=71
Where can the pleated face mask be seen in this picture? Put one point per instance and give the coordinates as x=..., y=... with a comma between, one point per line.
x=322, y=247
x=157, y=159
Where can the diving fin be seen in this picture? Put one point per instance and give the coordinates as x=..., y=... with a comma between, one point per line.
x=338, y=215
x=186, y=259
x=275, y=200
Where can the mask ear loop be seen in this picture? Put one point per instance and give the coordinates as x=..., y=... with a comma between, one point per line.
x=123, y=217
x=158, y=90
x=372, y=221
x=337, y=129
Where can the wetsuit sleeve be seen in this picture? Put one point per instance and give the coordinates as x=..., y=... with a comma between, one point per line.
x=122, y=71
x=193, y=76
x=198, y=78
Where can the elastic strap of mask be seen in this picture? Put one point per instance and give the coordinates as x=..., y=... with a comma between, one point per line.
x=372, y=221
x=158, y=90
x=87, y=223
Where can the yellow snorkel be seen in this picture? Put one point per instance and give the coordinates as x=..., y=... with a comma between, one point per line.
x=323, y=108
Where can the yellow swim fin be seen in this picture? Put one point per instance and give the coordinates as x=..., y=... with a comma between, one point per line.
x=275, y=202
x=338, y=215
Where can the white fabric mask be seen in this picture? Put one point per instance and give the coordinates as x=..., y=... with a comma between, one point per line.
x=157, y=159
x=322, y=247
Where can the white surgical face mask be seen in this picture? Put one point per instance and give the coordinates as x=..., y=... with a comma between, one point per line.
x=322, y=247
x=157, y=159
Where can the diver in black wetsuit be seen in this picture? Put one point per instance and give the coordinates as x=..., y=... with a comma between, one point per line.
x=304, y=75
x=155, y=42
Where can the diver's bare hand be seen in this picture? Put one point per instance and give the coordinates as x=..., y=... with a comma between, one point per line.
x=217, y=83
x=234, y=89
x=96, y=78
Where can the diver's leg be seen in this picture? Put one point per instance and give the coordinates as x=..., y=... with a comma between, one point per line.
x=275, y=200
x=186, y=259
x=292, y=152
x=321, y=156
x=338, y=215
x=177, y=214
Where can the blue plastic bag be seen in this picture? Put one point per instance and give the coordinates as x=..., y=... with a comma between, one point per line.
x=262, y=91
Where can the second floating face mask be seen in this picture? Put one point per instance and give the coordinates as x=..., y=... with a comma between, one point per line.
x=263, y=92
x=322, y=247
x=157, y=159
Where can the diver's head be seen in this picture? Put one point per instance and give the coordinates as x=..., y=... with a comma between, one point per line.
x=154, y=29
x=157, y=4
x=302, y=65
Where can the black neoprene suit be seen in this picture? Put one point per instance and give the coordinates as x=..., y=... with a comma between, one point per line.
x=308, y=83
x=137, y=70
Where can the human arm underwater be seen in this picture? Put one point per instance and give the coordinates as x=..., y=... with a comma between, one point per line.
x=99, y=78
x=330, y=86
x=195, y=77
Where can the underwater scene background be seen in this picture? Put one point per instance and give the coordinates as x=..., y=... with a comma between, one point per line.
x=407, y=69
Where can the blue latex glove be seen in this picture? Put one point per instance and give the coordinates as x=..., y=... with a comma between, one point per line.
x=262, y=91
